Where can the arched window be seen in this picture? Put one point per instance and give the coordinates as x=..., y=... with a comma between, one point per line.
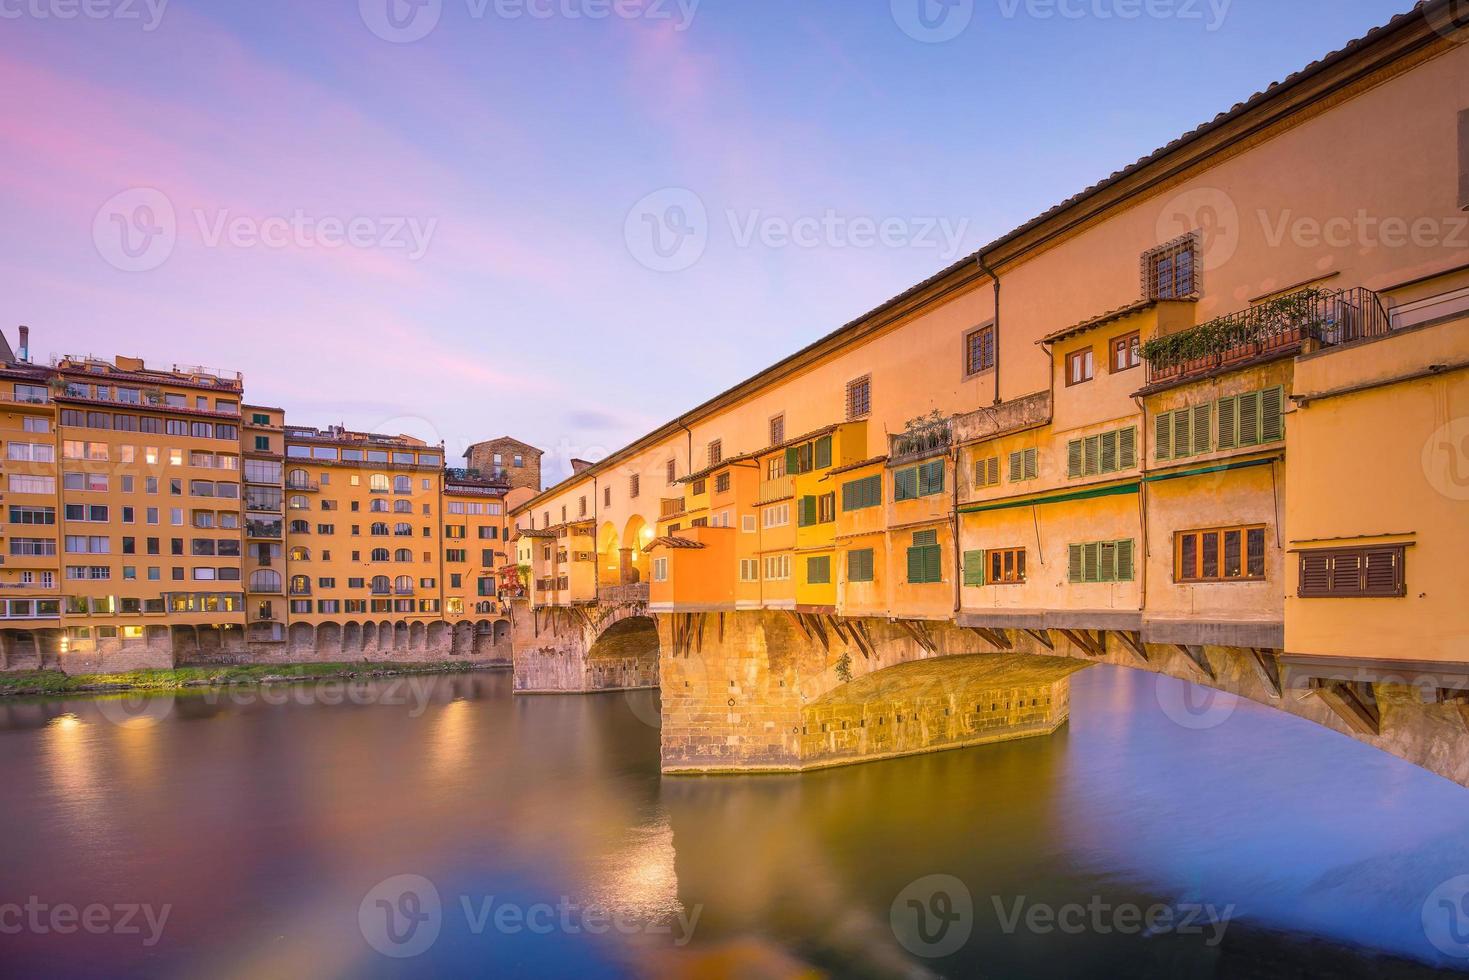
x=403, y=530
x=300, y=527
x=380, y=585
x=379, y=507
x=378, y=483
x=300, y=585
x=484, y=607
x=298, y=478
x=379, y=554
x=402, y=554
x=298, y=502
x=402, y=506
x=402, y=484
x=403, y=585
x=300, y=554
x=265, y=580
x=380, y=529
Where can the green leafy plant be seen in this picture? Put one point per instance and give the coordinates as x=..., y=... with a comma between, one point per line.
x=844, y=668
x=1302, y=311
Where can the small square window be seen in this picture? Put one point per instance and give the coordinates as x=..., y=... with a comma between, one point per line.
x=979, y=351
x=1125, y=352
x=1079, y=366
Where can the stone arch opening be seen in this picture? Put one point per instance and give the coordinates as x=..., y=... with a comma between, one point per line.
x=352, y=640
x=301, y=637
x=625, y=655
x=609, y=555
x=461, y=640
x=636, y=536
x=329, y=639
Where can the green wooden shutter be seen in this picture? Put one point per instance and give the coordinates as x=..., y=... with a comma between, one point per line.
x=1017, y=466
x=1163, y=436
x=1124, y=561
x=1091, y=558
x=823, y=452
x=915, y=565
x=974, y=568
x=932, y=558
x=1031, y=466
x=1074, y=564
x=1228, y=412
x=793, y=460
x=1108, y=454
x=1249, y=419
x=1073, y=458
x=931, y=478
x=905, y=484
x=1201, y=417
x=807, y=513
x=1182, y=435
x=1127, y=447
x=1272, y=418
x=1092, y=451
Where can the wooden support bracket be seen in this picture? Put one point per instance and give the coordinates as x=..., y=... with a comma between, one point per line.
x=1458, y=699
x=1043, y=637
x=1267, y=667
x=995, y=638
x=1082, y=640
x=1353, y=702
x=1198, y=658
x=1133, y=640
x=821, y=633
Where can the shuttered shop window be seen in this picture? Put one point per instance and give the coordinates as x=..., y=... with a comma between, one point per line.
x=1105, y=452
x=919, y=481
x=1252, y=419
x=818, y=570
x=1183, y=432
x=987, y=471
x=859, y=565
x=1023, y=465
x=1100, y=561
x=1372, y=572
x=861, y=494
x=974, y=568
x=925, y=564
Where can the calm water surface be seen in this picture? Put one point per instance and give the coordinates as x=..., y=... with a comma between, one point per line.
x=553, y=847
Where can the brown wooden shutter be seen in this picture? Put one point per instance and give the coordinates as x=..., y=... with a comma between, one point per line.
x=1382, y=573
x=1315, y=574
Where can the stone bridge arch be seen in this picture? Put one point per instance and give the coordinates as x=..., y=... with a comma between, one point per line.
x=584, y=649
x=753, y=690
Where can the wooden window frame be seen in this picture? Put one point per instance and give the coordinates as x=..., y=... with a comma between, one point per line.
x=1024, y=465
x=1077, y=562
x=633, y=488
x=818, y=560
x=871, y=565
x=722, y=483
x=1338, y=584
x=968, y=351
x=1218, y=533
x=985, y=468
x=1152, y=262
x=777, y=429
x=716, y=451
x=671, y=472
x=1133, y=344
x=1075, y=356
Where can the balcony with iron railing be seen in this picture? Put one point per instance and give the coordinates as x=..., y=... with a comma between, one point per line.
x=306, y=486
x=263, y=529
x=1276, y=328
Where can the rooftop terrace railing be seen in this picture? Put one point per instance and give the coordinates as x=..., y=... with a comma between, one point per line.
x=1278, y=326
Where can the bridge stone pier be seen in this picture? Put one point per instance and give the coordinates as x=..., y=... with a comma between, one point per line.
x=610, y=646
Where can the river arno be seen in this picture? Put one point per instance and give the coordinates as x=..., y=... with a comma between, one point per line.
x=539, y=838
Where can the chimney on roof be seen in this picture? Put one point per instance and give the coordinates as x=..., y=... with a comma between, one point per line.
x=577, y=465
x=24, y=354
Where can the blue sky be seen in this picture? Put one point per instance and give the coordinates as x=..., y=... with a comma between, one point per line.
x=499, y=278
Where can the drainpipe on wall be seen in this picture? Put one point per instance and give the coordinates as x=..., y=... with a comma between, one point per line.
x=958, y=554
x=1142, y=505
x=979, y=258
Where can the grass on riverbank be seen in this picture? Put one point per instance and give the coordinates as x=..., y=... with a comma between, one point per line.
x=43, y=682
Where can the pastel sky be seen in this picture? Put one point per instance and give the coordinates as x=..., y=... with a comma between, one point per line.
x=496, y=175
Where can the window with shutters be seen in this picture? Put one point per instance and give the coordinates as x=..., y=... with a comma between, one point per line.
x=1100, y=561
x=859, y=397
x=862, y=494
x=807, y=457
x=721, y=483
x=806, y=515
x=1183, y=432
x=606, y=496
x=671, y=472
x=716, y=451
x=1374, y=571
x=987, y=472
x=1126, y=353
x=973, y=568
x=1106, y=452
x=1255, y=418
x=826, y=508
x=1023, y=465
x=818, y=570
x=1006, y=566
x=1224, y=554
x=860, y=565
x=698, y=488
x=660, y=569
x=1079, y=367
x=979, y=350
x=925, y=559
x=777, y=568
x=749, y=569
x=1168, y=271
x=919, y=481
x=632, y=486
x=777, y=429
